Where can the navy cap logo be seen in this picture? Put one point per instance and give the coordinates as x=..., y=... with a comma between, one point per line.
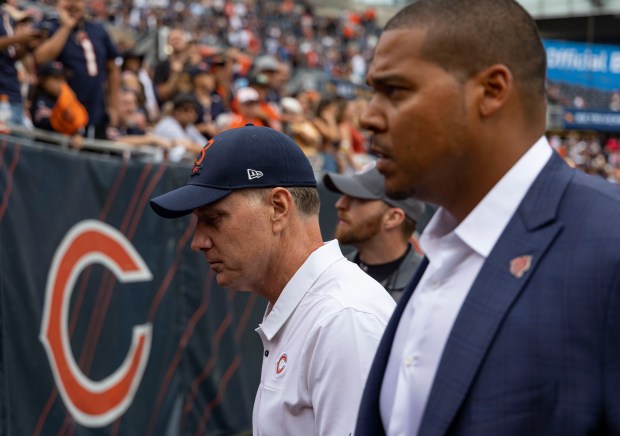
x=254, y=174
x=201, y=156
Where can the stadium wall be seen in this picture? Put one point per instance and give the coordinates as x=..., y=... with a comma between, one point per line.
x=110, y=324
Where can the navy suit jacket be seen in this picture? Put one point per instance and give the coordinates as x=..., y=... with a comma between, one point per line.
x=539, y=354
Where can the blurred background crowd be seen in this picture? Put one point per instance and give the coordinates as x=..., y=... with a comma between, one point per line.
x=173, y=74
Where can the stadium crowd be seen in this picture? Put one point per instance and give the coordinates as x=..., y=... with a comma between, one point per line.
x=173, y=74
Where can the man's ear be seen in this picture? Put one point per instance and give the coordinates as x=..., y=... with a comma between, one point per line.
x=496, y=84
x=393, y=217
x=282, y=203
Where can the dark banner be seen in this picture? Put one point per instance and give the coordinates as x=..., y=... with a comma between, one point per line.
x=110, y=324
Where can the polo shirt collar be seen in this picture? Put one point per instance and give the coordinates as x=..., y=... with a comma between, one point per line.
x=294, y=291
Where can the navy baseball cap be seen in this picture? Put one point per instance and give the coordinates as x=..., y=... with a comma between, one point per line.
x=369, y=185
x=246, y=157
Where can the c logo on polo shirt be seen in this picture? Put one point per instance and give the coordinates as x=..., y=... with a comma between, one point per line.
x=280, y=365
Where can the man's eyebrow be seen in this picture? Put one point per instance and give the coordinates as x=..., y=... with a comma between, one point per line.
x=383, y=80
x=205, y=211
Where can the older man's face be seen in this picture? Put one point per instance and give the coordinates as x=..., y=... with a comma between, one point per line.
x=234, y=235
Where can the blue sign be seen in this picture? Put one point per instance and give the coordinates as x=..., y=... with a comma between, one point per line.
x=592, y=120
x=588, y=65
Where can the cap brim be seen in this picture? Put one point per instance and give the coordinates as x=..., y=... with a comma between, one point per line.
x=348, y=185
x=184, y=200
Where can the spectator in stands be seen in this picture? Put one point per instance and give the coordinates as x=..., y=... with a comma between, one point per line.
x=309, y=139
x=208, y=101
x=170, y=75
x=85, y=48
x=325, y=120
x=132, y=128
x=248, y=109
x=380, y=228
x=17, y=37
x=134, y=62
x=222, y=66
x=268, y=112
x=352, y=151
x=54, y=105
x=131, y=81
x=132, y=120
x=324, y=316
x=179, y=126
x=270, y=68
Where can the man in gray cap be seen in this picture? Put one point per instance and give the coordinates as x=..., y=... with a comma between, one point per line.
x=380, y=228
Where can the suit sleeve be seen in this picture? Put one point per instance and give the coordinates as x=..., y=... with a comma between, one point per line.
x=611, y=364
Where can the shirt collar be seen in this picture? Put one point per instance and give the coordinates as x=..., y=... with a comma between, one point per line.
x=481, y=229
x=301, y=282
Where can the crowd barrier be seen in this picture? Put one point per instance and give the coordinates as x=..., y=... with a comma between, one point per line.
x=110, y=324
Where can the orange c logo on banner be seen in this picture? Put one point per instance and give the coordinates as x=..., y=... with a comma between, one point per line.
x=92, y=403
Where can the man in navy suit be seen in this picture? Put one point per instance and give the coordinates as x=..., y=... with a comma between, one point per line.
x=511, y=325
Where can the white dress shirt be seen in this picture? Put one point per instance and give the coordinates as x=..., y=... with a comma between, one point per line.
x=456, y=255
x=319, y=341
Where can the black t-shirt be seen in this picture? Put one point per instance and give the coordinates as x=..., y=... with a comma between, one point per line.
x=382, y=271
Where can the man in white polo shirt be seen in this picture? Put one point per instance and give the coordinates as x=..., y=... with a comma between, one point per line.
x=254, y=195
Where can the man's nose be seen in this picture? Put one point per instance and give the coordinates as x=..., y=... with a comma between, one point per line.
x=372, y=117
x=343, y=202
x=201, y=240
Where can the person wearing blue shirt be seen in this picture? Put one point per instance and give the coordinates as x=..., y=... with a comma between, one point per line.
x=15, y=41
x=86, y=50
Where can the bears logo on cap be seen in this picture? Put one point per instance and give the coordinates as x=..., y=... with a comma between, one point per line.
x=198, y=164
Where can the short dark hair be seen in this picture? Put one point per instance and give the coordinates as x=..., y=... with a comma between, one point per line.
x=306, y=198
x=466, y=36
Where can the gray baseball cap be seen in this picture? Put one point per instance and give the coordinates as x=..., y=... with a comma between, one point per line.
x=369, y=185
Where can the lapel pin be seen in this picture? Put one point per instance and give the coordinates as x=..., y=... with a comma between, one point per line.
x=520, y=265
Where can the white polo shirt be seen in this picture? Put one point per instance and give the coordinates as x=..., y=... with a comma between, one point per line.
x=319, y=341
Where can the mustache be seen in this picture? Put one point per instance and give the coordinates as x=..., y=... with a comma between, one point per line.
x=375, y=147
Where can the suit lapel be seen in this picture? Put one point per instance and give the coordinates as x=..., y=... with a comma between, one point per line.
x=369, y=418
x=503, y=276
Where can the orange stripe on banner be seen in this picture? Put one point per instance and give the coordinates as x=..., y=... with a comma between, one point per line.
x=9, y=182
x=243, y=321
x=134, y=198
x=79, y=298
x=189, y=331
x=146, y=195
x=103, y=284
x=171, y=271
x=3, y=148
x=220, y=394
x=215, y=343
x=66, y=425
x=120, y=175
x=45, y=412
x=115, y=427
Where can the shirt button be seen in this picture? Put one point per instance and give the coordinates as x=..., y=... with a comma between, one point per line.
x=411, y=360
x=435, y=284
x=266, y=353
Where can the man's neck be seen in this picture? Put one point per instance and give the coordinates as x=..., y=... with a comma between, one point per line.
x=380, y=251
